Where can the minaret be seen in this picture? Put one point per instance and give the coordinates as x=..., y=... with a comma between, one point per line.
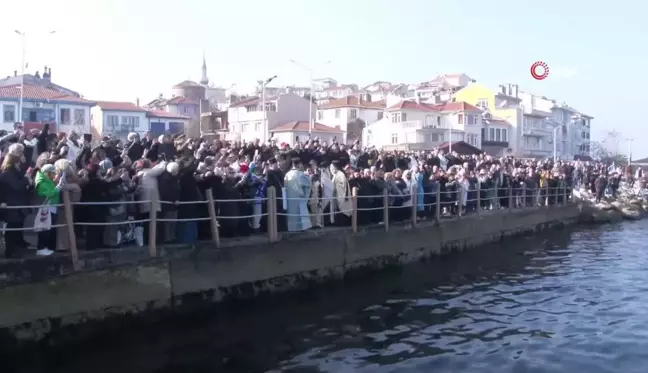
x=204, y=80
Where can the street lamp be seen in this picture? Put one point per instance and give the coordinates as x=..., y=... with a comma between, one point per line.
x=23, y=41
x=310, y=107
x=629, y=140
x=265, y=122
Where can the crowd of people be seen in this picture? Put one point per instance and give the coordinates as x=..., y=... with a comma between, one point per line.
x=111, y=186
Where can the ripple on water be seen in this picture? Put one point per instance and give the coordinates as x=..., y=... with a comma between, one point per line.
x=572, y=301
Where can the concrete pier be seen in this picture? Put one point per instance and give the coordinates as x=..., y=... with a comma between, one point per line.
x=41, y=298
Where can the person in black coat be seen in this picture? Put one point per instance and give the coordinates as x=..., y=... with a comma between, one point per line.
x=134, y=149
x=14, y=191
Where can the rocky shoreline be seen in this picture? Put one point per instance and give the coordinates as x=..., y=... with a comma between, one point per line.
x=630, y=204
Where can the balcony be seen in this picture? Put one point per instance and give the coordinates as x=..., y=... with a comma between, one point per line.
x=419, y=125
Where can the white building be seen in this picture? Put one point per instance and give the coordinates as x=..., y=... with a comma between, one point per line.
x=417, y=125
x=119, y=119
x=575, y=131
x=351, y=114
x=160, y=122
x=545, y=122
x=380, y=90
x=246, y=116
x=336, y=91
x=496, y=135
x=293, y=132
x=63, y=112
x=442, y=86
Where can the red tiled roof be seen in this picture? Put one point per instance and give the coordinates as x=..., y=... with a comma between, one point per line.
x=181, y=100
x=303, y=126
x=164, y=114
x=119, y=106
x=352, y=101
x=422, y=106
x=459, y=106
x=32, y=92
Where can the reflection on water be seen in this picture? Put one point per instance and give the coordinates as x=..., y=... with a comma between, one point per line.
x=573, y=301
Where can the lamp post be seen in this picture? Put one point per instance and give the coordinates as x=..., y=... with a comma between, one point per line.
x=629, y=140
x=310, y=79
x=23, y=41
x=265, y=122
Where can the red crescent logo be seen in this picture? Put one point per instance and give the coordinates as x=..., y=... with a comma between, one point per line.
x=539, y=70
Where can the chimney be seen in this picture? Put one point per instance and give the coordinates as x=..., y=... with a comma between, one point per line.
x=15, y=72
x=367, y=97
x=37, y=75
x=516, y=89
x=418, y=98
x=49, y=72
x=46, y=75
x=510, y=90
x=502, y=89
x=137, y=102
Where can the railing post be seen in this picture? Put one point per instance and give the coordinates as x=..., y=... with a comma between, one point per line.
x=69, y=226
x=386, y=208
x=524, y=196
x=414, y=208
x=354, y=209
x=547, y=192
x=510, y=197
x=478, y=198
x=152, y=249
x=271, y=207
x=565, y=194
x=213, y=222
x=459, y=200
x=437, y=214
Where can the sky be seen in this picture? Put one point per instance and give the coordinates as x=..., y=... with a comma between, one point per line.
x=124, y=50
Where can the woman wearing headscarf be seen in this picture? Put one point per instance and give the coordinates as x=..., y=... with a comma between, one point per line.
x=169, y=188
x=14, y=191
x=71, y=186
x=48, y=187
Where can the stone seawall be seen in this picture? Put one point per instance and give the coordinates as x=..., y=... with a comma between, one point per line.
x=34, y=307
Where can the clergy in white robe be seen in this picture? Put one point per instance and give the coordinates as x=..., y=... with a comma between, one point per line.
x=341, y=203
x=297, y=185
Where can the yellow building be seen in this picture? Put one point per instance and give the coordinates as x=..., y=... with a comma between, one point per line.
x=504, y=108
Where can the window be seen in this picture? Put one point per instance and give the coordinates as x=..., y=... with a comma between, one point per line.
x=257, y=126
x=472, y=139
x=436, y=137
x=79, y=117
x=320, y=115
x=438, y=122
x=270, y=106
x=428, y=137
x=471, y=119
x=130, y=122
x=399, y=117
x=353, y=114
x=504, y=135
x=483, y=131
x=394, y=138
x=460, y=118
x=491, y=134
x=380, y=115
x=9, y=113
x=482, y=103
x=112, y=120
x=498, y=134
x=337, y=113
x=65, y=116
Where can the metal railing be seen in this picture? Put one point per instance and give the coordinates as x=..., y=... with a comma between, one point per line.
x=518, y=197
